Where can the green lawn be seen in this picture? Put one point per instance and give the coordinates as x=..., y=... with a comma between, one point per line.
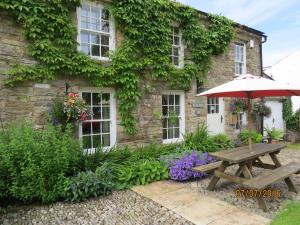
x=294, y=146
x=290, y=215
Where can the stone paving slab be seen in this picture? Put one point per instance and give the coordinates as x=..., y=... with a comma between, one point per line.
x=197, y=207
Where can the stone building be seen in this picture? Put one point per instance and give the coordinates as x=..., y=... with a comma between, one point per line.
x=32, y=100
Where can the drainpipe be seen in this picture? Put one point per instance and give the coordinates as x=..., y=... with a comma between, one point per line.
x=265, y=37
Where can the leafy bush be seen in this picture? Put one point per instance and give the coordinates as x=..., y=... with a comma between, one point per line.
x=90, y=184
x=124, y=155
x=274, y=133
x=140, y=173
x=35, y=163
x=180, y=169
x=255, y=137
x=199, y=140
x=291, y=118
x=222, y=141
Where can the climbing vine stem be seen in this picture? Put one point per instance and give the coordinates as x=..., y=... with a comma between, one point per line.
x=146, y=26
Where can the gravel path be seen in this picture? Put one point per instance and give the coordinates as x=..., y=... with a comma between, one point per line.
x=226, y=191
x=122, y=208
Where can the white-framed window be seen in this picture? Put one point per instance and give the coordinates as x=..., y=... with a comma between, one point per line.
x=177, y=52
x=173, y=116
x=96, y=31
x=240, y=59
x=213, y=106
x=100, y=128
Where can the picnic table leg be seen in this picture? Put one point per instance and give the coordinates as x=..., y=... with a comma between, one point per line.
x=261, y=203
x=288, y=180
x=214, y=180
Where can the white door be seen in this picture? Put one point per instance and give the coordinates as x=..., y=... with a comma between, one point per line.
x=215, y=115
x=275, y=120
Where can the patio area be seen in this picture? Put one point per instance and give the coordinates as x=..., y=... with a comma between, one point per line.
x=164, y=202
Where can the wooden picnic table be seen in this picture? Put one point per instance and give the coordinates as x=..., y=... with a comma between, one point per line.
x=246, y=160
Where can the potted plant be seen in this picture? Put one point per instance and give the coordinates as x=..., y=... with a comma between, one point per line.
x=274, y=135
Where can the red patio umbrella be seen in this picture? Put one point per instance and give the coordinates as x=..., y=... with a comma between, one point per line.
x=250, y=87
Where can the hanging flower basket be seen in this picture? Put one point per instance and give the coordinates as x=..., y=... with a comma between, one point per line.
x=238, y=105
x=261, y=109
x=76, y=108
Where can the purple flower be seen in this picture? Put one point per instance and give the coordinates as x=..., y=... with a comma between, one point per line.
x=180, y=169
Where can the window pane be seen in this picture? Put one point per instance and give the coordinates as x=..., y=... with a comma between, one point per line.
x=84, y=37
x=104, y=40
x=85, y=10
x=165, y=100
x=175, y=51
x=104, y=51
x=105, y=113
x=176, y=122
x=176, y=132
x=165, y=123
x=176, y=61
x=105, y=99
x=170, y=133
x=105, y=26
x=96, y=127
x=105, y=14
x=96, y=99
x=217, y=108
x=177, y=100
x=208, y=109
x=176, y=30
x=85, y=48
x=105, y=140
x=86, y=128
x=86, y=97
x=165, y=135
x=84, y=22
x=105, y=127
x=96, y=141
x=171, y=99
x=165, y=110
x=176, y=40
x=86, y=142
x=177, y=110
x=95, y=50
x=95, y=39
x=96, y=113
x=95, y=12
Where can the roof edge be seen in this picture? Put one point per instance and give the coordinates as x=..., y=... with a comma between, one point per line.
x=244, y=27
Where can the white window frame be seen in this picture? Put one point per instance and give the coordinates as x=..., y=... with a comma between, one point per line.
x=112, y=30
x=113, y=118
x=244, y=62
x=181, y=117
x=181, y=47
x=213, y=102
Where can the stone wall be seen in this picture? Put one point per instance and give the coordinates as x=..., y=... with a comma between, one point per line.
x=33, y=101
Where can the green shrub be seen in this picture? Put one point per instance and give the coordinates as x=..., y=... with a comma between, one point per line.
x=199, y=140
x=140, y=173
x=37, y=162
x=274, y=133
x=123, y=155
x=222, y=141
x=90, y=184
x=255, y=137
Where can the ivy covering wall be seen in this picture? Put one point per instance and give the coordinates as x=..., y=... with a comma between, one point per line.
x=146, y=25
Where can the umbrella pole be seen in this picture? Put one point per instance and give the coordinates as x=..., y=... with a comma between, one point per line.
x=249, y=122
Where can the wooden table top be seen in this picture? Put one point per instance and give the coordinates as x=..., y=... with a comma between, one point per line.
x=241, y=154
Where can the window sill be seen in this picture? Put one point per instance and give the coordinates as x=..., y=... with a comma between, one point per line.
x=173, y=141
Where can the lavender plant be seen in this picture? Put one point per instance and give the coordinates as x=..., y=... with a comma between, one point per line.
x=180, y=169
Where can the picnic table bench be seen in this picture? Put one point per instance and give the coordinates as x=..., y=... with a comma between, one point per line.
x=246, y=160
